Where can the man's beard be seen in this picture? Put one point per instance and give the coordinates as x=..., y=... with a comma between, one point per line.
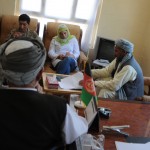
x=119, y=59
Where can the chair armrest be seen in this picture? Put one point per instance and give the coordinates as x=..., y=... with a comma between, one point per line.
x=82, y=60
x=83, y=57
x=147, y=83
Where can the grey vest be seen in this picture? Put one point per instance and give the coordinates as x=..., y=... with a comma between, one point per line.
x=134, y=89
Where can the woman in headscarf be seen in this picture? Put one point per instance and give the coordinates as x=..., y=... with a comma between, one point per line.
x=64, y=51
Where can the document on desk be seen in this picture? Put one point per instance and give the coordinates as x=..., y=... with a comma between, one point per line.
x=72, y=81
x=101, y=62
x=132, y=146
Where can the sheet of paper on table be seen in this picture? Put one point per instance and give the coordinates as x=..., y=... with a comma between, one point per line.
x=132, y=146
x=101, y=62
x=72, y=81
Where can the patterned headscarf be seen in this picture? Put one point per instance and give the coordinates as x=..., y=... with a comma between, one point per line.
x=21, y=60
x=63, y=27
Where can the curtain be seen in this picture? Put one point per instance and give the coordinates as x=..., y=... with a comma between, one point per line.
x=87, y=34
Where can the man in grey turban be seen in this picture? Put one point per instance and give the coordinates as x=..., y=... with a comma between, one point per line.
x=29, y=119
x=31, y=57
x=14, y=72
x=123, y=77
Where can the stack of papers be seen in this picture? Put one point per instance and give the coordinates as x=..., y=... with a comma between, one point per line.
x=101, y=62
x=132, y=146
x=52, y=82
x=72, y=81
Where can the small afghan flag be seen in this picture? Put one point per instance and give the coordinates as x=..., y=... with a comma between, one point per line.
x=88, y=90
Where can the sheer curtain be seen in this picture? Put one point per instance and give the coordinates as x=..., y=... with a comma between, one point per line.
x=88, y=33
x=79, y=12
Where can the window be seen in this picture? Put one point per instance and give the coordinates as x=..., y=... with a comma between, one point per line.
x=53, y=10
x=67, y=11
x=28, y=5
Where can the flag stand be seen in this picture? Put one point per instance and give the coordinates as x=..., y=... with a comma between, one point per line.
x=79, y=105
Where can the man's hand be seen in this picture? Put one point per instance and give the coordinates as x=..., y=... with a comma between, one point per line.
x=17, y=34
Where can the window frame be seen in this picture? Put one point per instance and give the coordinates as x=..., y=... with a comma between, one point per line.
x=89, y=27
x=42, y=14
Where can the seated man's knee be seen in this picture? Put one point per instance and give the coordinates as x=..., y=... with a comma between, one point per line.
x=106, y=93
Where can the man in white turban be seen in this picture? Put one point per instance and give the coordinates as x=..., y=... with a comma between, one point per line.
x=29, y=119
x=123, y=77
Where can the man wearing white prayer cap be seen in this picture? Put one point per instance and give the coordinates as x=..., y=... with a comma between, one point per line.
x=123, y=77
x=31, y=120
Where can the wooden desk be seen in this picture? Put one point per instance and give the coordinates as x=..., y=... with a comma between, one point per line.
x=135, y=114
x=58, y=91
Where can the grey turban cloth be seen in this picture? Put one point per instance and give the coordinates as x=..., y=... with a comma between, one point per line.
x=125, y=45
x=21, y=60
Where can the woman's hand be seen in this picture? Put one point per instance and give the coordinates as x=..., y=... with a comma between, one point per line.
x=68, y=54
x=61, y=56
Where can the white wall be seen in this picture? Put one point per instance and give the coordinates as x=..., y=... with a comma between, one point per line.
x=145, y=52
x=7, y=7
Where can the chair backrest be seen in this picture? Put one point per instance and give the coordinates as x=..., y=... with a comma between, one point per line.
x=50, y=30
x=9, y=22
